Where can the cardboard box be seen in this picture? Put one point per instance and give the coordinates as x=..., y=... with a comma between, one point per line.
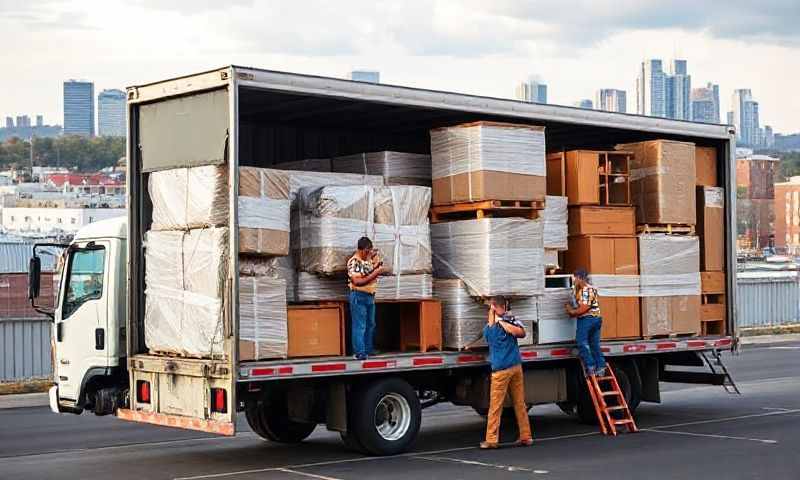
x=667, y=315
x=603, y=255
x=705, y=166
x=556, y=174
x=581, y=177
x=686, y=314
x=711, y=228
x=621, y=317
x=712, y=282
x=712, y=311
x=663, y=181
x=485, y=185
x=316, y=330
x=594, y=220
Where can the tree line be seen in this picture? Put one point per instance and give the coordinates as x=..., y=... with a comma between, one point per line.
x=70, y=151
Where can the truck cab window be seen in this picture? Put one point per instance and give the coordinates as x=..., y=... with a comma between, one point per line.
x=85, y=281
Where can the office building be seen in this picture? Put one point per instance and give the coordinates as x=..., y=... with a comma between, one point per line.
x=611, y=100
x=705, y=104
x=39, y=121
x=111, y=108
x=769, y=137
x=585, y=103
x=533, y=90
x=651, y=89
x=23, y=121
x=369, y=76
x=79, y=108
x=744, y=117
x=678, y=86
x=9, y=122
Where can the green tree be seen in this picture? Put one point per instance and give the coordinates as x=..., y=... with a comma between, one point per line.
x=71, y=151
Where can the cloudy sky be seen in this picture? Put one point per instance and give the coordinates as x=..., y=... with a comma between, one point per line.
x=471, y=46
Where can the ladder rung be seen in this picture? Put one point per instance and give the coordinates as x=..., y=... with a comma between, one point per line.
x=622, y=422
x=608, y=394
x=605, y=378
x=616, y=408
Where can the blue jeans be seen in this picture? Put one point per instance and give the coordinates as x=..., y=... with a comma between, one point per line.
x=362, y=319
x=587, y=336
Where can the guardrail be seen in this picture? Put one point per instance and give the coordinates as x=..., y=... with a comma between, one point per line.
x=769, y=300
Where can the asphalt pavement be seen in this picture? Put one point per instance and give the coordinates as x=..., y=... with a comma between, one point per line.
x=697, y=432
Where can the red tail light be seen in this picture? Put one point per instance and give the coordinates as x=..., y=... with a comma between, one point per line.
x=143, y=391
x=219, y=400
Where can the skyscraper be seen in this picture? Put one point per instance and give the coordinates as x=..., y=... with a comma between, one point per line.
x=678, y=85
x=9, y=122
x=705, y=103
x=611, y=100
x=369, y=76
x=651, y=89
x=111, y=113
x=533, y=90
x=79, y=108
x=585, y=103
x=769, y=137
x=39, y=120
x=744, y=117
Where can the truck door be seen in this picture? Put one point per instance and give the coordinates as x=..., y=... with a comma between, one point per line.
x=81, y=317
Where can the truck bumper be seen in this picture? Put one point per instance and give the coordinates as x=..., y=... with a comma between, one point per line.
x=53, y=395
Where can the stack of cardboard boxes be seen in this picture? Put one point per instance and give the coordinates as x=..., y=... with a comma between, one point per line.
x=710, y=229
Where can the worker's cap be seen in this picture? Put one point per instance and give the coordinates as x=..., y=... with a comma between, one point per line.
x=581, y=273
x=498, y=300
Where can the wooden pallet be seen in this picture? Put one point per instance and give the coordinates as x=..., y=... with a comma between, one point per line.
x=486, y=209
x=670, y=336
x=668, y=228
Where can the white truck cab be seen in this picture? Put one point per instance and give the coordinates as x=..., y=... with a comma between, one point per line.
x=89, y=320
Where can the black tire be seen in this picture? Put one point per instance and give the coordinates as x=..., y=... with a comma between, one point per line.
x=569, y=408
x=351, y=442
x=632, y=372
x=271, y=421
x=393, y=403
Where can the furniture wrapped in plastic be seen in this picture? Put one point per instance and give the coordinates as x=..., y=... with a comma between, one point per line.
x=555, y=223
x=396, y=168
x=315, y=288
x=488, y=161
x=263, y=331
x=492, y=256
x=184, y=284
x=331, y=219
x=186, y=198
x=554, y=324
x=279, y=268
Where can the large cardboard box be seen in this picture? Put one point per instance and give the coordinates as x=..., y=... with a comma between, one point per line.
x=712, y=311
x=621, y=318
x=712, y=282
x=594, y=220
x=316, y=330
x=679, y=314
x=488, y=161
x=705, y=166
x=663, y=181
x=711, y=228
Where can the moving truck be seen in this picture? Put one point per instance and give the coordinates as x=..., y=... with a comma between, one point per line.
x=238, y=116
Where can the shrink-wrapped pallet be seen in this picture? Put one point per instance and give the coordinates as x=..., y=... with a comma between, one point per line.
x=186, y=198
x=266, y=197
x=555, y=223
x=278, y=268
x=669, y=283
x=315, y=288
x=464, y=316
x=396, y=168
x=263, y=329
x=307, y=165
x=663, y=181
x=184, y=284
x=488, y=161
x=493, y=256
x=554, y=323
x=331, y=220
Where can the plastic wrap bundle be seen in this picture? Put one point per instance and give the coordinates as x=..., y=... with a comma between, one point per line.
x=493, y=256
x=266, y=197
x=313, y=288
x=279, y=268
x=487, y=161
x=185, y=198
x=663, y=181
x=554, y=323
x=396, y=168
x=551, y=258
x=555, y=223
x=184, y=284
x=332, y=219
x=307, y=165
x=463, y=316
x=616, y=285
x=263, y=331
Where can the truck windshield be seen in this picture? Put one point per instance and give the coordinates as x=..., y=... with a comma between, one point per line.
x=85, y=281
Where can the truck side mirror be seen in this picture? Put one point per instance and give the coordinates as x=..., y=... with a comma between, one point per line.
x=34, y=277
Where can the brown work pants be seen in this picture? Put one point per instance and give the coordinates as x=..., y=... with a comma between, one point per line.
x=503, y=381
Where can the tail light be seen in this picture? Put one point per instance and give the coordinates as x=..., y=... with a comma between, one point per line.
x=143, y=391
x=219, y=400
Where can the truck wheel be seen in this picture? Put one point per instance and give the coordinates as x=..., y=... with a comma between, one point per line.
x=351, y=442
x=386, y=416
x=271, y=422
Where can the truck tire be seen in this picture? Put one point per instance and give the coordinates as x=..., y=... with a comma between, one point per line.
x=386, y=416
x=351, y=442
x=271, y=422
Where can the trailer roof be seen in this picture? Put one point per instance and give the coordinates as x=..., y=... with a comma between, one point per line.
x=420, y=99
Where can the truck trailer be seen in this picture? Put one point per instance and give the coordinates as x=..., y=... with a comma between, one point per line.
x=240, y=116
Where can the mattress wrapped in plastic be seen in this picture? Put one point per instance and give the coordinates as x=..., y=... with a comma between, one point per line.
x=554, y=323
x=279, y=268
x=331, y=220
x=266, y=197
x=185, y=275
x=185, y=198
x=314, y=288
x=464, y=316
x=487, y=161
x=397, y=168
x=555, y=223
x=492, y=256
x=263, y=331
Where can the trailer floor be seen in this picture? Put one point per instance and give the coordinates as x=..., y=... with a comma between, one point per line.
x=698, y=431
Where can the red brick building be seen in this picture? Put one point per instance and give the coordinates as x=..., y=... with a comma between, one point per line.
x=787, y=216
x=755, y=208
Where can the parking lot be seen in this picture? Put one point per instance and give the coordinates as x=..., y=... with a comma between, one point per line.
x=696, y=431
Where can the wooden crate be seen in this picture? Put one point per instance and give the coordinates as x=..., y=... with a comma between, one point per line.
x=713, y=314
x=408, y=325
x=486, y=209
x=316, y=329
x=712, y=282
